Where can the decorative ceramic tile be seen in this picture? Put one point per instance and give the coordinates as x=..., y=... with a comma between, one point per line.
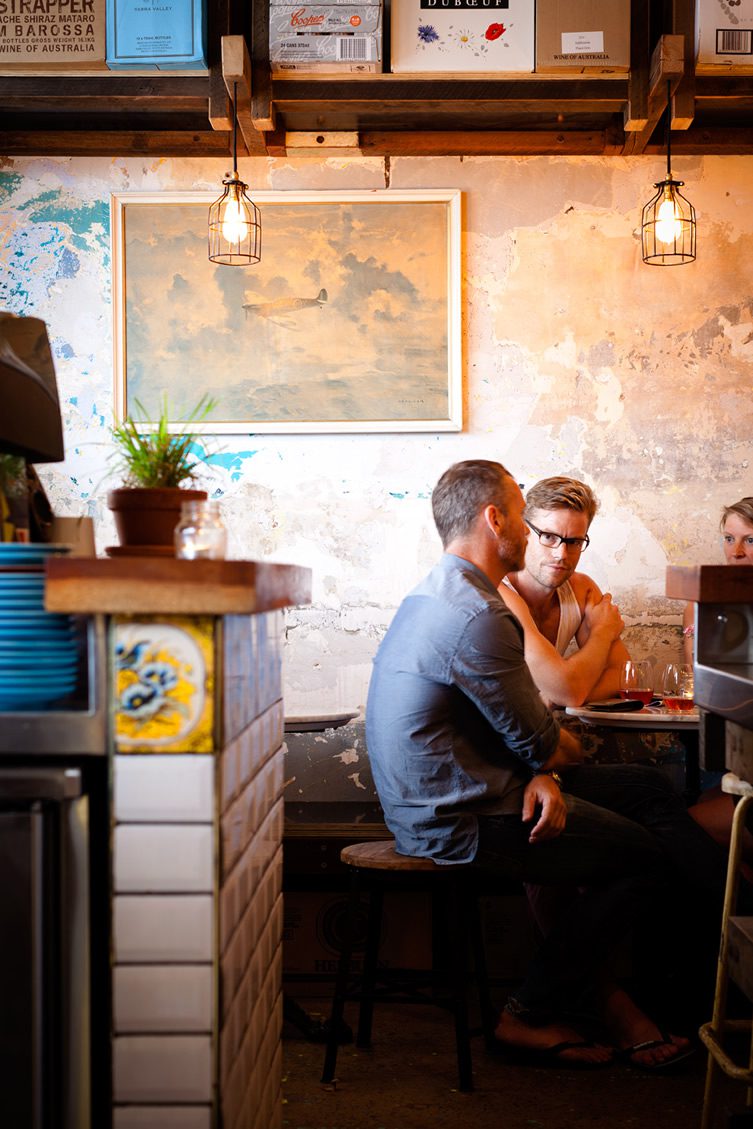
x=163, y=675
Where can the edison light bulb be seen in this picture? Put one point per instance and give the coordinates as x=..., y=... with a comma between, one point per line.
x=668, y=222
x=233, y=220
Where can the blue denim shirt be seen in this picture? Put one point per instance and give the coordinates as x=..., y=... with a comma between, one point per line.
x=454, y=723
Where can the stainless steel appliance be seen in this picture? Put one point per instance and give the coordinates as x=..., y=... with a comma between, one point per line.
x=54, y=913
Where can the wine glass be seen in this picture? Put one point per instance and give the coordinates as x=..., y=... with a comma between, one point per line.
x=637, y=681
x=676, y=687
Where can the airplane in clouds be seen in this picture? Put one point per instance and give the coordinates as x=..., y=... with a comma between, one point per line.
x=280, y=307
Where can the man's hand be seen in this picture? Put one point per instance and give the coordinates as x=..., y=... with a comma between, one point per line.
x=602, y=615
x=543, y=793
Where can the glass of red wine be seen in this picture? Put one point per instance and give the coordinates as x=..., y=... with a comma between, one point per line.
x=637, y=681
x=677, y=687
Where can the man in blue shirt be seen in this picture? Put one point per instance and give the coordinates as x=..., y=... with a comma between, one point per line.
x=471, y=767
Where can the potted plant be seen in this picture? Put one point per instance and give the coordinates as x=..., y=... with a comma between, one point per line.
x=14, y=498
x=156, y=465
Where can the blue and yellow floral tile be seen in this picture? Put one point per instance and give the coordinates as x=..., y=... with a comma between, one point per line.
x=163, y=684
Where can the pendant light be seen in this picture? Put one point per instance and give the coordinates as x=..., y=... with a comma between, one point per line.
x=234, y=219
x=668, y=221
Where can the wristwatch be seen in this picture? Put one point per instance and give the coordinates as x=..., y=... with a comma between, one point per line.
x=553, y=774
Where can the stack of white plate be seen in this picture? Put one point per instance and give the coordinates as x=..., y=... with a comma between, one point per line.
x=39, y=656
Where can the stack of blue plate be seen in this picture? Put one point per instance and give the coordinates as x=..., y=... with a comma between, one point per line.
x=39, y=656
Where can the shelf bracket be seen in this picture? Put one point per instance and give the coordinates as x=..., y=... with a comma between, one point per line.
x=667, y=66
x=236, y=74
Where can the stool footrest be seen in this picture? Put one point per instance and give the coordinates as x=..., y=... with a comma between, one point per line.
x=709, y=1038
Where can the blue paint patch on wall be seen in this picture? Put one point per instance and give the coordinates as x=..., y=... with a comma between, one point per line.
x=65, y=351
x=68, y=264
x=232, y=461
x=81, y=220
x=393, y=494
x=9, y=182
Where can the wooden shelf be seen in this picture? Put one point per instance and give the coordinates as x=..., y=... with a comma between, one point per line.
x=169, y=114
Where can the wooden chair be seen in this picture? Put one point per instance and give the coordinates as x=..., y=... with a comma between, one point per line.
x=376, y=867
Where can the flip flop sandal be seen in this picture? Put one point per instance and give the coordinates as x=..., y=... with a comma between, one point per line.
x=626, y=1054
x=550, y=1056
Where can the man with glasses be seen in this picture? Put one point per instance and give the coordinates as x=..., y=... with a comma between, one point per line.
x=556, y=605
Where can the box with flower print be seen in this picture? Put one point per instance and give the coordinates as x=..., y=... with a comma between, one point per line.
x=462, y=36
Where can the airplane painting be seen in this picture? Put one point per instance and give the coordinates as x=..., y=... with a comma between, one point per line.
x=350, y=322
x=279, y=309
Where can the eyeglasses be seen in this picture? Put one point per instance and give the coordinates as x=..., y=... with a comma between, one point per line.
x=553, y=540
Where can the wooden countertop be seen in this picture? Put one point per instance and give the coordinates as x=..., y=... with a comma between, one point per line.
x=710, y=584
x=174, y=587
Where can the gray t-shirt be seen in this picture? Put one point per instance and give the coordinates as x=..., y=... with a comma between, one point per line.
x=455, y=726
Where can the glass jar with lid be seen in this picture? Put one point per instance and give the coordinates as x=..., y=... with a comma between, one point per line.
x=200, y=533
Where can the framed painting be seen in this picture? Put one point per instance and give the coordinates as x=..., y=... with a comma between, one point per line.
x=350, y=322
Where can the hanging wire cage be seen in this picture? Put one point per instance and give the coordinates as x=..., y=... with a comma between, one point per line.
x=234, y=226
x=668, y=226
x=234, y=220
x=668, y=220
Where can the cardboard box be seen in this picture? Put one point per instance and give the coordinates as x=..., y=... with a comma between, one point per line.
x=160, y=35
x=583, y=35
x=313, y=931
x=462, y=36
x=724, y=34
x=334, y=37
x=52, y=35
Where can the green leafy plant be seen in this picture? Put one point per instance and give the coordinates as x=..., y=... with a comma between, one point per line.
x=155, y=456
x=12, y=475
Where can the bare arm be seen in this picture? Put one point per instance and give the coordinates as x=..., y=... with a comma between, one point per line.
x=568, y=681
x=608, y=683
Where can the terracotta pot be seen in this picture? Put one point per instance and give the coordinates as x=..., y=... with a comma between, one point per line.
x=147, y=515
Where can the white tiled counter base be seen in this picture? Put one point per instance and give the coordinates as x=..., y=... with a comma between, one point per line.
x=163, y=932
x=197, y=912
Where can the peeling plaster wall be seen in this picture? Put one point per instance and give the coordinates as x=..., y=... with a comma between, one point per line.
x=578, y=359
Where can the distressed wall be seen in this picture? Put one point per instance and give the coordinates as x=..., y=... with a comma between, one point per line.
x=578, y=359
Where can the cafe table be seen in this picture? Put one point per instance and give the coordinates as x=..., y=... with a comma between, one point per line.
x=651, y=719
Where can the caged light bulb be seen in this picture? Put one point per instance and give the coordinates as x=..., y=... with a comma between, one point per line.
x=668, y=222
x=233, y=220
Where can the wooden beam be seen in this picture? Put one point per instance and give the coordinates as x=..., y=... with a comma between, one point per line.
x=220, y=109
x=119, y=143
x=305, y=144
x=683, y=101
x=117, y=94
x=667, y=69
x=635, y=114
x=435, y=143
x=262, y=106
x=719, y=141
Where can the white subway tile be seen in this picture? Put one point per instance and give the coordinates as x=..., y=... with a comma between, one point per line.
x=173, y=998
x=164, y=859
x=164, y=788
x=162, y=1117
x=163, y=929
x=162, y=1068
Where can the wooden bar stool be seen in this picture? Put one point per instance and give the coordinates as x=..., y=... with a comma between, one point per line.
x=735, y=963
x=376, y=866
